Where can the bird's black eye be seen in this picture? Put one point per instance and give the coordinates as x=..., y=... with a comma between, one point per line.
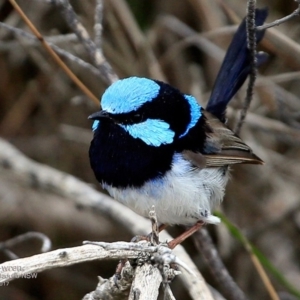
x=128, y=119
x=136, y=118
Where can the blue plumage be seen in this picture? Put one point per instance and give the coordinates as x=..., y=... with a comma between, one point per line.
x=195, y=112
x=127, y=96
x=95, y=125
x=152, y=132
x=154, y=145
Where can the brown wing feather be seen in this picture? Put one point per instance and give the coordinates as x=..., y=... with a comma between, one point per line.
x=227, y=148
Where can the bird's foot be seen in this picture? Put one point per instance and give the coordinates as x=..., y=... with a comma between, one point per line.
x=172, y=244
x=119, y=269
x=152, y=237
x=139, y=238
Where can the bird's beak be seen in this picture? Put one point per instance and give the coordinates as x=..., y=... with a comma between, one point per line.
x=99, y=115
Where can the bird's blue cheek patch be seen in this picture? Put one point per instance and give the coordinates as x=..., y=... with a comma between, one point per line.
x=195, y=111
x=95, y=125
x=152, y=132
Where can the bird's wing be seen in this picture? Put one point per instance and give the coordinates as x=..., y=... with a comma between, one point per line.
x=222, y=147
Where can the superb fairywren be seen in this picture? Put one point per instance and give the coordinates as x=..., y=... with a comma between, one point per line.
x=154, y=145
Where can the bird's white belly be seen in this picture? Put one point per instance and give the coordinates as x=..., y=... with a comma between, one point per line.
x=184, y=195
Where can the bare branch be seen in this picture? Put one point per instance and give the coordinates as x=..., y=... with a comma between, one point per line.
x=46, y=242
x=62, y=258
x=61, y=52
x=155, y=228
x=251, y=40
x=168, y=295
x=147, y=279
x=124, y=246
x=181, y=29
x=295, y=13
x=108, y=74
x=271, y=126
x=137, y=37
x=205, y=245
x=165, y=255
x=53, y=54
x=98, y=24
x=141, y=288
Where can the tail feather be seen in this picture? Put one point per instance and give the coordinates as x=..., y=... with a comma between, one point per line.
x=235, y=68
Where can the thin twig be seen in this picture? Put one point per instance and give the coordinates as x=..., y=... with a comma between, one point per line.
x=262, y=273
x=108, y=74
x=251, y=41
x=155, y=229
x=282, y=20
x=182, y=30
x=168, y=295
x=205, y=245
x=53, y=54
x=137, y=37
x=126, y=246
x=61, y=52
x=46, y=242
x=271, y=126
x=284, y=77
x=98, y=24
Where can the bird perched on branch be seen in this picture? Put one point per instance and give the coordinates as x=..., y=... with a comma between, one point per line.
x=154, y=145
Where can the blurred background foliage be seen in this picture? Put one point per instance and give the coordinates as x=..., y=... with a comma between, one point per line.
x=44, y=115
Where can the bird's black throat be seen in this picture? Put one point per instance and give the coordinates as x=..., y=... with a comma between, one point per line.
x=122, y=161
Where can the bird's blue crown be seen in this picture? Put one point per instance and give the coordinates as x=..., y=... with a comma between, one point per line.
x=129, y=94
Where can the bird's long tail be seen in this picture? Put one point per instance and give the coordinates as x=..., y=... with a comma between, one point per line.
x=235, y=67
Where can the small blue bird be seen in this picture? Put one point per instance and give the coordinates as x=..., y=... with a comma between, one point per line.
x=154, y=145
